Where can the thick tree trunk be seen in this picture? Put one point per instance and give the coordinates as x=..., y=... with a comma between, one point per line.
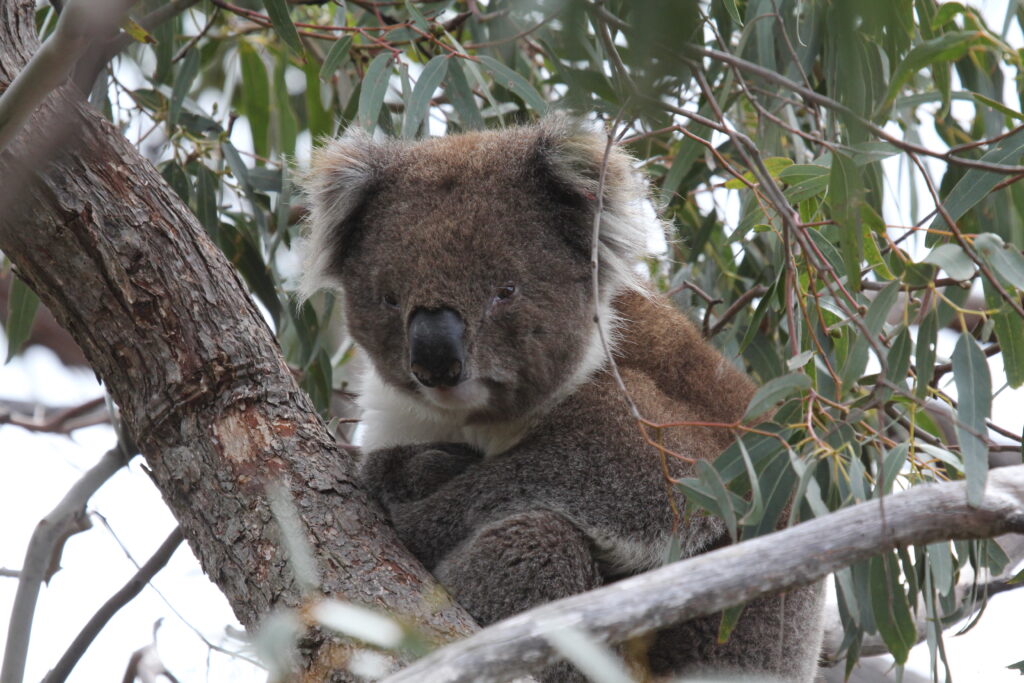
x=199, y=378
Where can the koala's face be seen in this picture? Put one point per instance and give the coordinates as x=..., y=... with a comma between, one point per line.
x=465, y=261
x=467, y=278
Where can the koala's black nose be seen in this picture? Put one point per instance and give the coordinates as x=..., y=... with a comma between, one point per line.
x=436, y=352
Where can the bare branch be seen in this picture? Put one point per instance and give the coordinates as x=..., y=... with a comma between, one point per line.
x=79, y=24
x=50, y=533
x=110, y=607
x=709, y=583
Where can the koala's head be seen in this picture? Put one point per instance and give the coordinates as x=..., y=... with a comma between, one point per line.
x=464, y=261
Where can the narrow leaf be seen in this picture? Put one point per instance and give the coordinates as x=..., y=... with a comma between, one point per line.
x=1010, y=333
x=974, y=397
x=335, y=56
x=182, y=84
x=846, y=192
x=976, y=184
x=1005, y=258
x=924, y=354
x=461, y=97
x=277, y=10
x=952, y=259
x=22, y=304
x=510, y=80
x=419, y=104
x=774, y=391
x=375, y=86
x=709, y=477
x=255, y=97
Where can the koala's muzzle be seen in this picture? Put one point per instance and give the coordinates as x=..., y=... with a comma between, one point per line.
x=436, y=351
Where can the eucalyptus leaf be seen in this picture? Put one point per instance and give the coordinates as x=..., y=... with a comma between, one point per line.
x=974, y=396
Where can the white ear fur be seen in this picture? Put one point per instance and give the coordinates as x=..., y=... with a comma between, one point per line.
x=340, y=175
x=575, y=153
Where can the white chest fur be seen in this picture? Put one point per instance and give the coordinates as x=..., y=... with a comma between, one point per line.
x=391, y=418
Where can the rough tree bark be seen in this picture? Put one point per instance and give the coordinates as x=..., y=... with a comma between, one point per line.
x=198, y=376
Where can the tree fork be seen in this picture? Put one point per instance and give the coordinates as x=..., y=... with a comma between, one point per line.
x=166, y=323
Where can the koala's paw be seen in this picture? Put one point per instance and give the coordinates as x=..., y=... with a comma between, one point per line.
x=406, y=473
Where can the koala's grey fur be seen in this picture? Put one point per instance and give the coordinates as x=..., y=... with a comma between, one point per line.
x=528, y=480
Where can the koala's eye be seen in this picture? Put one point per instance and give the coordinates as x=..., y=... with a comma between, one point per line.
x=390, y=300
x=504, y=292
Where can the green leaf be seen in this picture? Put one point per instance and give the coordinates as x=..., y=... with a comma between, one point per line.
x=375, y=86
x=237, y=166
x=892, y=464
x=952, y=259
x=976, y=184
x=845, y=195
x=756, y=510
x=730, y=617
x=734, y=13
x=924, y=354
x=206, y=200
x=1006, y=259
x=512, y=81
x=947, y=11
x=287, y=124
x=775, y=390
x=890, y=607
x=246, y=257
x=946, y=48
x=461, y=97
x=874, y=256
x=335, y=56
x=857, y=359
x=319, y=119
x=798, y=173
x=709, y=477
x=419, y=104
x=998, y=106
x=182, y=84
x=417, y=18
x=175, y=177
x=22, y=304
x=1010, y=332
x=774, y=165
x=940, y=562
x=277, y=10
x=974, y=398
x=255, y=97
x=898, y=360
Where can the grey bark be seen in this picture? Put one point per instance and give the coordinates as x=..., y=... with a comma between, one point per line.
x=198, y=376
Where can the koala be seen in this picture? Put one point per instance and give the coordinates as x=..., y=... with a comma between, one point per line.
x=495, y=435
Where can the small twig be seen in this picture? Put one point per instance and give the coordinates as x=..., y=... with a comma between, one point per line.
x=62, y=422
x=735, y=308
x=10, y=573
x=39, y=557
x=118, y=600
x=813, y=96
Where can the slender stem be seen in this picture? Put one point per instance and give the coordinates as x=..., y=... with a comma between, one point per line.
x=118, y=600
x=43, y=553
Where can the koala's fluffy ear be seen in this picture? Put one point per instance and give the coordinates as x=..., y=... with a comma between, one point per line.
x=342, y=176
x=573, y=152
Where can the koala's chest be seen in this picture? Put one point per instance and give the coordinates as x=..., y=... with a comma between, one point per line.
x=391, y=419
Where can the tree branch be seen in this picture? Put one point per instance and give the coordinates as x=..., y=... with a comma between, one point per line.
x=110, y=607
x=80, y=22
x=43, y=554
x=736, y=574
